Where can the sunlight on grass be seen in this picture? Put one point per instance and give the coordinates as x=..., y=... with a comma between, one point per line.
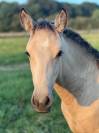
x=92, y=38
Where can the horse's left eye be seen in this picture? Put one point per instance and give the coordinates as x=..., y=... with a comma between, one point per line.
x=59, y=53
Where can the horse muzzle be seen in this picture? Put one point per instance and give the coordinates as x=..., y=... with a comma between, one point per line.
x=41, y=106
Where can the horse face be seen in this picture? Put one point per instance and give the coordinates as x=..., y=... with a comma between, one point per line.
x=44, y=50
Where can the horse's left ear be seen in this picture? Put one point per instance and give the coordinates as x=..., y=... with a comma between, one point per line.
x=61, y=20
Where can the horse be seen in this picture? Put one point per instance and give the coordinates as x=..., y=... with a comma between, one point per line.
x=60, y=58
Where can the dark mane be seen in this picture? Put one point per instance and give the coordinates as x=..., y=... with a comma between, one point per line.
x=44, y=25
x=80, y=41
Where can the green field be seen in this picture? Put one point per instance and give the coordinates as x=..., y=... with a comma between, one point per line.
x=16, y=112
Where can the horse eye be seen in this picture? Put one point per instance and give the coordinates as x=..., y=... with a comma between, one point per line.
x=59, y=54
x=27, y=53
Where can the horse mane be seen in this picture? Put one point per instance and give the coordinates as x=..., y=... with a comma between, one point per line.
x=80, y=41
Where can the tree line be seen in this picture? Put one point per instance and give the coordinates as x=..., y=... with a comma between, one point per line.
x=85, y=15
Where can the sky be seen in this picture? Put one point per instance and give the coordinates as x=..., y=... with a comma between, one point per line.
x=79, y=1
x=20, y=1
x=70, y=1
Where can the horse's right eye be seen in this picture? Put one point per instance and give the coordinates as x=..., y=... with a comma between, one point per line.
x=59, y=53
x=27, y=53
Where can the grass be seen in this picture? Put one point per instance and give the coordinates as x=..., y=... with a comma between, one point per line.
x=16, y=112
x=92, y=38
x=12, y=50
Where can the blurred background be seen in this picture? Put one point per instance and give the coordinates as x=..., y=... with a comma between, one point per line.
x=82, y=15
x=16, y=112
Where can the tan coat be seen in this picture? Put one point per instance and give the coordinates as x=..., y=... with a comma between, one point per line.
x=80, y=119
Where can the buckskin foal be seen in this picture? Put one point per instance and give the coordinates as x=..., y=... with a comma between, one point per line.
x=60, y=58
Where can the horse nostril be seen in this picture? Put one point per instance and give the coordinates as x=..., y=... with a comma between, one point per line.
x=47, y=101
x=35, y=101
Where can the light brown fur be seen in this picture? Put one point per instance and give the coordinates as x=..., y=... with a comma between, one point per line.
x=81, y=119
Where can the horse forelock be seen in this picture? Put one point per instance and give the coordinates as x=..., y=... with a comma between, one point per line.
x=43, y=24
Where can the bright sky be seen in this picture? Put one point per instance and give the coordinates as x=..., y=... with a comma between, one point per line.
x=70, y=1
x=20, y=1
x=79, y=1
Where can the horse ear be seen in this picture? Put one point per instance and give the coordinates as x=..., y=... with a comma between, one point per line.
x=61, y=20
x=26, y=20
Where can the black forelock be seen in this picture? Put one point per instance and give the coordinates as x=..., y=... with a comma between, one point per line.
x=44, y=25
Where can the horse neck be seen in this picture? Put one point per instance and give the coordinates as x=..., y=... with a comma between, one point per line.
x=78, y=72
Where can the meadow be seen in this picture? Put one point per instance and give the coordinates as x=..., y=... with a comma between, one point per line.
x=16, y=112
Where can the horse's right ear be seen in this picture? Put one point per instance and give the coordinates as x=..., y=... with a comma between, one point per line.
x=26, y=21
x=61, y=20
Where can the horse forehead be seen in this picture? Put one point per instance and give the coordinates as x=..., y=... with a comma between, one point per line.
x=44, y=37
